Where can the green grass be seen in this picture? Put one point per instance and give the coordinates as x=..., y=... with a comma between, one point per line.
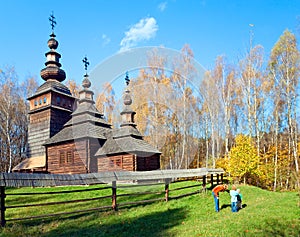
x=266, y=214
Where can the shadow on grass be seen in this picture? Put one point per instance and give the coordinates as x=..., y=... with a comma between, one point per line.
x=154, y=224
x=224, y=206
x=278, y=227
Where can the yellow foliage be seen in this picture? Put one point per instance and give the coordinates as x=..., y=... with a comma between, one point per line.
x=243, y=161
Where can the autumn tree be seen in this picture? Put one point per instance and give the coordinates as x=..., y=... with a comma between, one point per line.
x=251, y=78
x=244, y=161
x=152, y=98
x=224, y=77
x=210, y=113
x=181, y=79
x=73, y=87
x=13, y=118
x=105, y=102
x=284, y=71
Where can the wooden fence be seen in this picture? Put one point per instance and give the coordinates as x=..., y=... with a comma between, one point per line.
x=114, y=181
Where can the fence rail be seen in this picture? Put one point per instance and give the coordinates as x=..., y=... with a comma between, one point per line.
x=158, y=178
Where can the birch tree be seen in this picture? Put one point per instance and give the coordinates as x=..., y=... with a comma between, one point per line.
x=13, y=118
x=284, y=69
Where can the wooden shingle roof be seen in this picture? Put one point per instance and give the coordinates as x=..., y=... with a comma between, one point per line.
x=86, y=122
x=52, y=85
x=124, y=140
x=83, y=130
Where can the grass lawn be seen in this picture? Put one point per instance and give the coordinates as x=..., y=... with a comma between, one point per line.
x=266, y=214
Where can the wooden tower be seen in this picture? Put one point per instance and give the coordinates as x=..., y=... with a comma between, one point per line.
x=50, y=108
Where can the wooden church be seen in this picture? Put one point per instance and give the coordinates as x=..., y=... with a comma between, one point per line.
x=69, y=135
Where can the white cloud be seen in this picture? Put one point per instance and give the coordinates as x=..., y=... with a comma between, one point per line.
x=162, y=6
x=105, y=40
x=145, y=29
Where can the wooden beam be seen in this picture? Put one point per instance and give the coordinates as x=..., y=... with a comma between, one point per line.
x=45, y=180
x=2, y=206
x=114, y=195
x=204, y=183
x=167, y=182
x=167, y=192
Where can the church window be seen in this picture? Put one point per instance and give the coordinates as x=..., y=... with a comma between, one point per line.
x=35, y=103
x=45, y=100
x=62, y=158
x=111, y=163
x=70, y=159
x=115, y=163
x=118, y=163
x=58, y=100
x=40, y=101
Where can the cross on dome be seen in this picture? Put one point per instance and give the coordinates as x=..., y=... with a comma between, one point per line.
x=86, y=64
x=52, y=21
x=127, y=80
x=86, y=83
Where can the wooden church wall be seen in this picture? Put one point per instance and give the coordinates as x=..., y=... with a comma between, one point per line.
x=39, y=131
x=67, y=158
x=94, y=145
x=129, y=162
x=119, y=162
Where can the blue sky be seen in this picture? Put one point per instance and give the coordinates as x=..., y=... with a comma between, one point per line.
x=102, y=28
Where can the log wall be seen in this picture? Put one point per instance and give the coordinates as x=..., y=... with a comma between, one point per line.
x=129, y=162
x=114, y=163
x=76, y=165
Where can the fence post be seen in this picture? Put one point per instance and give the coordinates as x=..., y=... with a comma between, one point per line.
x=167, y=182
x=2, y=206
x=212, y=180
x=218, y=178
x=204, y=183
x=114, y=195
x=222, y=178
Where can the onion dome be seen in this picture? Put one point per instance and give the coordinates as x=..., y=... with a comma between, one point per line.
x=127, y=98
x=52, y=42
x=127, y=113
x=86, y=83
x=52, y=69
